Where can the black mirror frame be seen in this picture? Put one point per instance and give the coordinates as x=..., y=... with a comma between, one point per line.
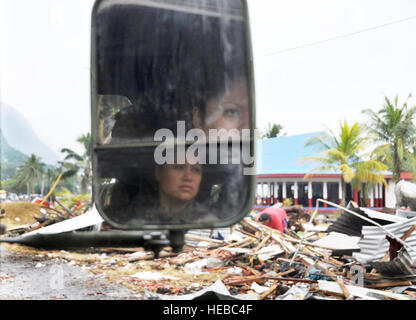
x=96, y=146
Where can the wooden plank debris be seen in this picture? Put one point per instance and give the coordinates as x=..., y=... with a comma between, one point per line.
x=344, y=289
x=262, y=255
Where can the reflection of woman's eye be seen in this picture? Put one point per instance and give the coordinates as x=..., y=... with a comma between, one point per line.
x=196, y=170
x=231, y=111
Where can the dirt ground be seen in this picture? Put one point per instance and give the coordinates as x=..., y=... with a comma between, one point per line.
x=19, y=213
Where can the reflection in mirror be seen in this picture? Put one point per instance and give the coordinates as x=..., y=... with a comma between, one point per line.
x=158, y=65
x=227, y=110
x=173, y=62
x=108, y=107
x=135, y=191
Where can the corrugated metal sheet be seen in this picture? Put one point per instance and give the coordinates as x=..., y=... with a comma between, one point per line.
x=401, y=265
x=406, y=214
x=339, y=241
x=351, y=225
x=372, y=214
x=374, y=245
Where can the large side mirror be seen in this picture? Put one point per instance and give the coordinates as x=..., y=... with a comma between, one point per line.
x=173, y=113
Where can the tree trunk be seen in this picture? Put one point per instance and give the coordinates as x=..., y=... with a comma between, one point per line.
x=396, y=164
x=42, y=186
x=365, y=195
x=344, y=190
x=87, y=174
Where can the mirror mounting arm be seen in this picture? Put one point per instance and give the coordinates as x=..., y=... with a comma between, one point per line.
x=79, y=240
x=177, y=239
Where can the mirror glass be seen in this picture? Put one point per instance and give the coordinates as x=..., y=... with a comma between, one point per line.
x=172, y=112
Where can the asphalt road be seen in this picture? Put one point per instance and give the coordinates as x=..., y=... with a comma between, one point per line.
x=28, y=277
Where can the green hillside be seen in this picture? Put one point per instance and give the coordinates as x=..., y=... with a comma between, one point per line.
x=10, y=158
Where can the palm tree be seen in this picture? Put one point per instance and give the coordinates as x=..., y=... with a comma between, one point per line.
x=393, y=125
x=30, y=172
x=82, y=162
x=344, y=152
x=49, y=178
x=273, y=131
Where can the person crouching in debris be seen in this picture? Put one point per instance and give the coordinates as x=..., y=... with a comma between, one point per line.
x=274, y=218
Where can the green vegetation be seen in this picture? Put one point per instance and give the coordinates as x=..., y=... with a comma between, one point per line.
x=393, y=126
x=75, y=163
x=273, y=131
x=387, y=141
x=29, y=173
x=345, y=152
x=23, y=174
x=10, y=159
x=75, y=203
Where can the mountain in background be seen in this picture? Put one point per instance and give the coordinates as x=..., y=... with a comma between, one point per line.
x=19, y=135
x=10, y=158
x=10, y=154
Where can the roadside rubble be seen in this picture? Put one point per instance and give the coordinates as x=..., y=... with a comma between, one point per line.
x=334, y=261
x=47, y=216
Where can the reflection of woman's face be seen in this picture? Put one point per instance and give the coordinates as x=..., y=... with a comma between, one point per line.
x=178, y=183
x=227, y=111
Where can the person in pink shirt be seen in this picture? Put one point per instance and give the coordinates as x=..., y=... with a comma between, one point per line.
x=274, y=218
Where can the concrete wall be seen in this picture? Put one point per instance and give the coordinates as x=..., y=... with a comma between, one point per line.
x=390, y=197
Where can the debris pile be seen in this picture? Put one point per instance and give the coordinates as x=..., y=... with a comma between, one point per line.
x=268, y=264
x=363, y=259
x=363, y=255
x=38, y=216
x=297, y=217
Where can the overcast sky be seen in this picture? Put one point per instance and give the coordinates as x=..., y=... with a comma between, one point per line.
x=316, y=62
